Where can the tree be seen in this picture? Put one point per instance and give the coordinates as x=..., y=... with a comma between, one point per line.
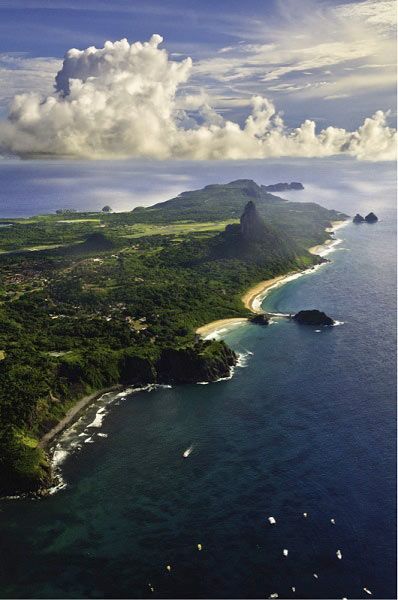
x=106, y=209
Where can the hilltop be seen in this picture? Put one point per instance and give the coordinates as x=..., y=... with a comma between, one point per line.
x=301, y=221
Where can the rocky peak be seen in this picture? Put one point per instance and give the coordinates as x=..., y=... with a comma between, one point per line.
x=371, y=218
x=251, y=224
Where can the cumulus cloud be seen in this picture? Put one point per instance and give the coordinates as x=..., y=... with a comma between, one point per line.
x=128, y=100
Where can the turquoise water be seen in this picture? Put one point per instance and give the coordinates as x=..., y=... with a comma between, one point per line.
x=307, y=425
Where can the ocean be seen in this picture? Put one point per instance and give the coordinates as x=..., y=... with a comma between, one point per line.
x=307, y=424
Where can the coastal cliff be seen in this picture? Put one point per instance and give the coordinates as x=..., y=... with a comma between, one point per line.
x=206, y=361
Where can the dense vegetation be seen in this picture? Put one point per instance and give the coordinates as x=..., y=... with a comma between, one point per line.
x=89, y=300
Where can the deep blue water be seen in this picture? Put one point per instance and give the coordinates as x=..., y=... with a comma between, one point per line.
x=309, y=425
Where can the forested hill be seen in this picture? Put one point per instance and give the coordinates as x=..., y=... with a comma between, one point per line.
x=301, y=221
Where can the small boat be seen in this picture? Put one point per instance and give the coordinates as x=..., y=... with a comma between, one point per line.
x=187, y=452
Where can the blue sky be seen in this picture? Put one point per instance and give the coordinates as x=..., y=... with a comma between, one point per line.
x=328, y=61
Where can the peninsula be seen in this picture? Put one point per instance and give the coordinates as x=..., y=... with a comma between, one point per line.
x=92, y=300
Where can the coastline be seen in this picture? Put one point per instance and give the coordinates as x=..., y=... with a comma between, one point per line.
x=328, y=245
x=218, y=326
x=72, y=413
x=254, y=296
x=252, y=300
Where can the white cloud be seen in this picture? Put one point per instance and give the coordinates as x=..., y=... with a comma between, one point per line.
x=304, y=40
x=128, y=100
x=19, y=73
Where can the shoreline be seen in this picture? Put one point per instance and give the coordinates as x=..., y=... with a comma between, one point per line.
x=328, y=245
x=220, y=325
x=251, y=299
x=72, y=413
x=254, y=296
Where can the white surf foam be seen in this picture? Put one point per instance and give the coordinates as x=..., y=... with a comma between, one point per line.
x=99, y=417
x=243, y=359
x=61, y=485
x=337, y=323
x=217, y=334
x=329, y=248
x=228, y=377
x=59, y=455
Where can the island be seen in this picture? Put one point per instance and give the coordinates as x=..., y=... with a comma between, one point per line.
x=281, y=187
x=370, y=218
x=313, y=317
x=358, y=219
x=260, y=319
x=91, y=301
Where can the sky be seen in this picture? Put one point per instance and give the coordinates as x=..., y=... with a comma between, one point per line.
x=198, y=79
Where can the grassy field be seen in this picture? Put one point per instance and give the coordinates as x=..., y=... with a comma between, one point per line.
x=178, y=228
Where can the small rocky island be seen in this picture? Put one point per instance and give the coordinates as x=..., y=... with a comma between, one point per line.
x=358, y=219
x=313, y=317
x=260, y=319
x=370, y=218
x=281, y=187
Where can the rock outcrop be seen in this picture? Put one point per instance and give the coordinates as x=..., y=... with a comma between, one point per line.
x=371, y=218
x=260, y=319
x=281, y=187
x=313, y=317
x=205, y=361
x=358, y=219
x=251, y=224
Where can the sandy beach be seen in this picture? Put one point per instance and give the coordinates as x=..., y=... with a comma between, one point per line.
x=253, y=298
x=320, y=249
x=328, y=245
x=217, y=326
